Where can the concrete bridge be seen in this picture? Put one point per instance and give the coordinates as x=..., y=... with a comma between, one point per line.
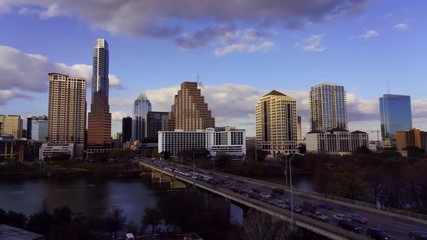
x=301, y=221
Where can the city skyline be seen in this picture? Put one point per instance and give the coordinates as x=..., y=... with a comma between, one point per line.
x=238, y=56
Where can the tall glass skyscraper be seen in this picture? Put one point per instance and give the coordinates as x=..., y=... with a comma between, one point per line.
x=101, y=60
x=140, y=109
x=328, y=108
x=395, y=113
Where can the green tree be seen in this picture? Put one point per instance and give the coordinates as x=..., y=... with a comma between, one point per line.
x=16, y=219
x=151, y=217
x=222, y=160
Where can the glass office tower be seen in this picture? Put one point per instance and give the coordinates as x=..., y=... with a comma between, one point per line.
x=141, y=107
x=395, y=113
x=101, y=59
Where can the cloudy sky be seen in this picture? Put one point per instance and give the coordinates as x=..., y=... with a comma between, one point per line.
x=238, y=51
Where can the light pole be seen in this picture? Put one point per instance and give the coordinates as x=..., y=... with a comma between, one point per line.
x=292, y=188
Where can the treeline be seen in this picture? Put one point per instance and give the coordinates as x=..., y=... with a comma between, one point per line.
x=384, y=178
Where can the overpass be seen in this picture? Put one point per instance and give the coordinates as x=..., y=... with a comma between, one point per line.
x=328, y=230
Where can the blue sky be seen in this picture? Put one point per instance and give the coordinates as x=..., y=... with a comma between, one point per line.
x=239, y=50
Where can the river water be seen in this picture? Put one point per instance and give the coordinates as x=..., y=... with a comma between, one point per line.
x=93, y=196
x=89, y=196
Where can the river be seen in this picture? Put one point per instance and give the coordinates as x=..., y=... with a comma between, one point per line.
x=89, y=196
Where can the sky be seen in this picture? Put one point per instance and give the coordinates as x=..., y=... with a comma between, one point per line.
x=237, y=50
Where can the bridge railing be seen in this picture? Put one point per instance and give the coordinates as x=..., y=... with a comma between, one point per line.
x=401, y=212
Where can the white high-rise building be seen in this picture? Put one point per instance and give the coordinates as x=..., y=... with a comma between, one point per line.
x=100, y=70
x=276, y=124
x=328, y=108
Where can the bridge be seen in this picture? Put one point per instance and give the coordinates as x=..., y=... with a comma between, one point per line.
x=331, y=231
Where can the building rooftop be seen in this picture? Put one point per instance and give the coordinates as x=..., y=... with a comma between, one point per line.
x=13, y=233
x=274, y=92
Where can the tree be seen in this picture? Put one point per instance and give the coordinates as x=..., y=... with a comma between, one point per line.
x=259, y=225
x=222, y=160
x=151, y=217
x=16, y=219
x=115, y=220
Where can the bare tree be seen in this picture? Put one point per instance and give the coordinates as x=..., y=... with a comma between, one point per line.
x=115, y=220
x=258, y=225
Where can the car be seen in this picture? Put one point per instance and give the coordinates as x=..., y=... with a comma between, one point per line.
x=357, y=218
x=418, y=235
x=308, y=207
x=278, y=191
x=349, y=225
x=326, y=206
x=296, y=209
x=319, y=216
x=378, y=234
x=340, y=216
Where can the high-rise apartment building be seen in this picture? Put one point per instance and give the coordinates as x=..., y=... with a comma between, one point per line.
x=395, y=111
x=276, y=123
x=141, y=107
x=101, y=58
x=189, y=111
x=126, y=129
x=37, y=128
x=11, y=125
x=99, y=123
x=328, y=109
x=67, y=109
x=155, y=122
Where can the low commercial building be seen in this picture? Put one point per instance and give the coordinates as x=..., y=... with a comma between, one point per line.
x=336, y=141
x=228, y=141
x=411, y=138
x=56, y=149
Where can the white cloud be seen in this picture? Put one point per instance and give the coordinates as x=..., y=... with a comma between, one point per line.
x=369, y=34
x=401, y=26
x=8, y=95
x=29, y=72
x=118, y=115
x=311, y=44
x=243, y=47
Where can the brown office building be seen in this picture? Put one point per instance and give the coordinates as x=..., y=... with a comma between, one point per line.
x=189, y=111
x=67, y=109
x=99, y=123
x=411, y=138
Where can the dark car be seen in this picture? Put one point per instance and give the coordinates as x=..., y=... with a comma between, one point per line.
x=326, y=206
x=378, y=234
x=308, y=206
x=349, y=225
x=418, y=235
x=357, y=218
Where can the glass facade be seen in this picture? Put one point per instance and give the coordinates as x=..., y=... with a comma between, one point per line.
x=100, y=81
x=140, y=109
x=395, y=113
x=328, y=108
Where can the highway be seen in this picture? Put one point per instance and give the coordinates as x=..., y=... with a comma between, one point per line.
x=275, y=199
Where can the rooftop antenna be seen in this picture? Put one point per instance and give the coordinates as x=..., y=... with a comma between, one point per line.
x=388, y=86
x=199, y=83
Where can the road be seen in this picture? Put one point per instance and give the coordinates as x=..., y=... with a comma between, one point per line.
x=397, y=226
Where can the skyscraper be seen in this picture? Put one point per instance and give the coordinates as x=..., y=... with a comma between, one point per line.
x=99, y=118
x=67, y=109
x=276, y=123
x=100, y=68
x=99, y=123
x=189, y=111
x=155, y=122
x=395, y=113
x=328, y=108
x=126, y=129
x=141, y=107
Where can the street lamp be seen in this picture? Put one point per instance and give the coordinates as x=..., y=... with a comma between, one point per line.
x=292, y=188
